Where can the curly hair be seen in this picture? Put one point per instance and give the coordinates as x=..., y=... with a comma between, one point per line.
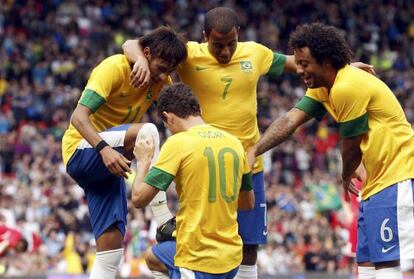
x=324, y=42
x=178, y=99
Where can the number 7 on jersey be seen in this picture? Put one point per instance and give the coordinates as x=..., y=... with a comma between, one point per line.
x=227, y=81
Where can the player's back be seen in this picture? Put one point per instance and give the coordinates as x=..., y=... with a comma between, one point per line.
x=208, y=186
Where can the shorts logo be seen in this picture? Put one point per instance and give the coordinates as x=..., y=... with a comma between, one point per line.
x=246, y=66
x=385, y=250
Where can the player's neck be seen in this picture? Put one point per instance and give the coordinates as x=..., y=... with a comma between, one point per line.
x=330, y=78
x=191, y=121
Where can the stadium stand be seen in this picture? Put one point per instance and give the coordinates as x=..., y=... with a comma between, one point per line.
x=47, y=49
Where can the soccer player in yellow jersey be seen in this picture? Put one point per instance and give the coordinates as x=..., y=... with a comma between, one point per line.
x=213, y=180
x=373, y=129
x=223, y=73
x=98, y=145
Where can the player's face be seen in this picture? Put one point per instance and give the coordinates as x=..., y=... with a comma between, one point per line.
x=160, y=69
x=309, y=69
x=222, y=46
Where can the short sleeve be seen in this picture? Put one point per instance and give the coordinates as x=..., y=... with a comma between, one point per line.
x=278, y=65
x=351, y=107
x=264, y=57
x=105, y=78
x=311, y=106
x=166, y=167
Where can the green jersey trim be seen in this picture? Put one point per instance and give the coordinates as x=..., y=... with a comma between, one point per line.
x=278, y=65
x=91, y=100
x=247, y=182
x=311, y=107
x=355, y=127
x=158, y=178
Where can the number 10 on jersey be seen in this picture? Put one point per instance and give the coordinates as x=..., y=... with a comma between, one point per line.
x=212, y=173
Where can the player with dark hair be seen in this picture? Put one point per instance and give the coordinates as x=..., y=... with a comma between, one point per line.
x=213, y=180
x=98, y=145
x=373, y=129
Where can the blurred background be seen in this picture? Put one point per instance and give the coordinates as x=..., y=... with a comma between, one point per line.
x=47, y=51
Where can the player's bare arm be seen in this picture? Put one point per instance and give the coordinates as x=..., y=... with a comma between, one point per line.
x=246, y=200
x=278, y=132
x=140, y=75
x=116, y=163
x=142, y=193
x=351, y=159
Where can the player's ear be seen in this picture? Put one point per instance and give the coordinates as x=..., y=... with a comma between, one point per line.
x=147, y=52
x=205, y=36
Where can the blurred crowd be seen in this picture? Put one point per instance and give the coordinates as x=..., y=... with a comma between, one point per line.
x=47, y=50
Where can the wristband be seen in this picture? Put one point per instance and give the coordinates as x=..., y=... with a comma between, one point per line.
x=101, y=145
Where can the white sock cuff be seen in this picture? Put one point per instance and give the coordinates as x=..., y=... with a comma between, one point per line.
x=247, y=272
x=106, y=264
x=366, y=272
x=389, y=273
x=115, y=251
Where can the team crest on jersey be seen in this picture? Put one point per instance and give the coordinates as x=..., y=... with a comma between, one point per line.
x=246, y=66
x=149, y=95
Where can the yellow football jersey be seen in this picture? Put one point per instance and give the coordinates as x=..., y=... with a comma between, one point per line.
x=227, y=92
x=364, y=105
x=111, y=98
x=210, y=168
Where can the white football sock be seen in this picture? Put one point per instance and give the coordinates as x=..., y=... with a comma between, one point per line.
x=106, y=264
x=159, y=275
x=247, y=272
x=366, y=272
x=389, y=273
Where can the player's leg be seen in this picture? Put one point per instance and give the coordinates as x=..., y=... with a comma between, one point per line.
x=107, y=201
x=252, y=235
x=366, y=269
x=160, y=260
x=390, y=223
x=159, y=204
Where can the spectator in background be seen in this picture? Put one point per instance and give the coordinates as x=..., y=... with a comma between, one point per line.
x=39, y=34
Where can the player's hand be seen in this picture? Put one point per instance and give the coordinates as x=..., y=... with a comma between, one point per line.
x=251, y=157
x=349, y=186
x=366, y=67
x=116, y=163
x=140, y=75
x=144, y=149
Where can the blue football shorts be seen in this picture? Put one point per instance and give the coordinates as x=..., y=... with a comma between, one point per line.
x=105, y=193
x=165, y=252
x=386, y=225
x=252, y=223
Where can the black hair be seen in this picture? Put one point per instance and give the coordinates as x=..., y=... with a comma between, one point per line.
x=178, y=99
x=324, y=42
x=166, y=44
x=221, y=19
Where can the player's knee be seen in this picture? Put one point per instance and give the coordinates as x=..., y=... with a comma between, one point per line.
x=249, y=254
x=153, y=262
